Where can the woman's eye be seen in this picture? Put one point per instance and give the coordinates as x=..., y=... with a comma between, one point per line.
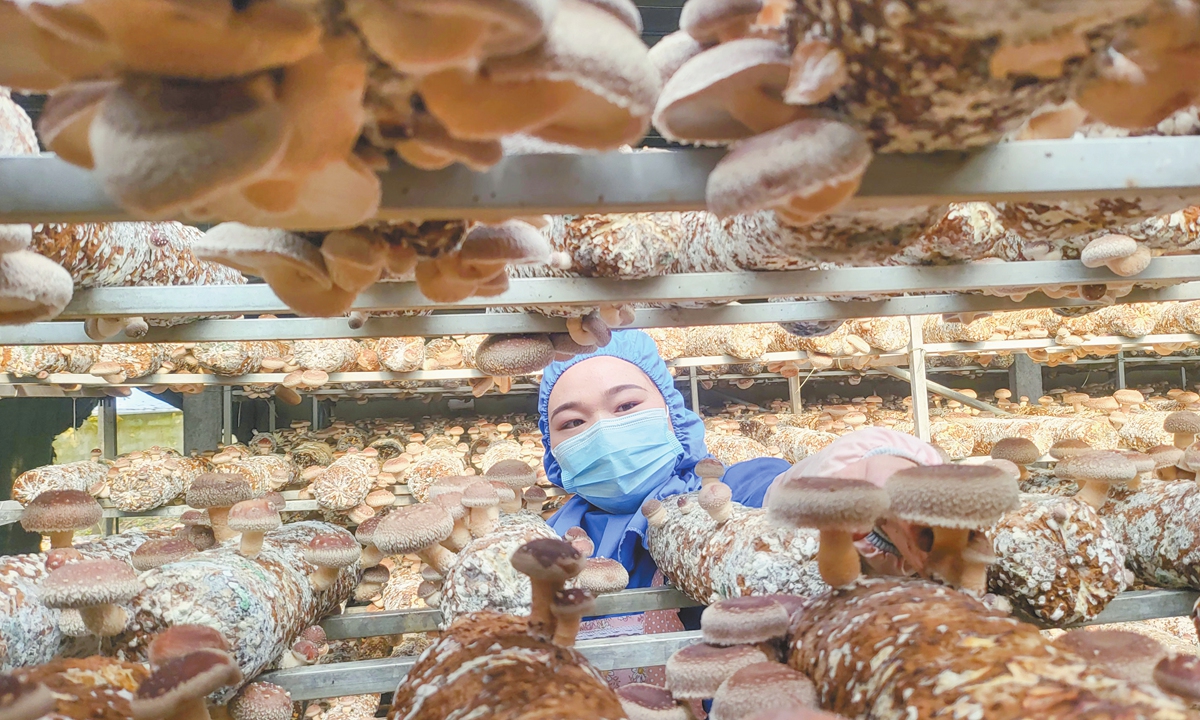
x=626, y=407
x=570, y=424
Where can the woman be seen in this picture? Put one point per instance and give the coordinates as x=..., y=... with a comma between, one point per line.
x=616, y=432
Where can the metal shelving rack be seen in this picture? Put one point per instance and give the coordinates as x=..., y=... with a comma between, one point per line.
x=41, y=189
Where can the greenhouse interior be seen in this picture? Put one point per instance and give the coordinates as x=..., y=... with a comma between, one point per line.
x=612, y=359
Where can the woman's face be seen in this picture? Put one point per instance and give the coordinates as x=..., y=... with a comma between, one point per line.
x=595, y=389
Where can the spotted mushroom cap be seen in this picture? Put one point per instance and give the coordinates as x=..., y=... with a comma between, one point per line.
x=573, y=602
x=744, y=621
x=603, y=575
x=762, y=686
x=261, y=701
x=1068, y=448
x=1103, y=466
x=1017, y=450
x=697, y=671
x=1182, y=421
x=1008, y=466
x=710, y=468
x=366, y=529
x=333, y=549
x=1129, y=654
x=548, y=559
x=1165, y=455
x=253, y=516
x=480, y=494
x=503, y=492
x=1107, y=248
x=179, y=640
x=506, y=355
x=642, y=701
x=57, y=557
x=160, y=551
x=714, y=496
x=412, y=528
x=516, y=474
x=61, y=510
x=1179, y=675
x=952, y=496
x=182, y=679
x=376, y=575
x=24, y=701
x=195, y=517
x=843, y=503
x=218, y=490
x=89, y=583
x=1142, y=462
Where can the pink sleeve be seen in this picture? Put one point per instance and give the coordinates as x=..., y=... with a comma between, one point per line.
x=854, y=446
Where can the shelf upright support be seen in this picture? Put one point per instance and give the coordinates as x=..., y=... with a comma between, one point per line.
x=695, y=389
x=316, y=413
x=1183, y=376
x=227, y=415
x=1120, y=369
x=916, y=369
x=1025, y=378
x=106, y=420
x=794, y=393
x=271, y=418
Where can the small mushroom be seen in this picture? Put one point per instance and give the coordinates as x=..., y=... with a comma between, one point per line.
x=717, y=500
x=354, y=258
x=569, y=608
x=535, y=499
x=511, y=242
x=1120, y=253
x=565, y=346
x=580, y=540
x=32, y=288
x=672, y=51
x=508, y=355
x=549, y=563
x=1098, y=470
x=481, y=501
x=1143, y=463
x=517, y=475
x=451, y=502
x=417, y=530
x=1184, y=425
x=180, y=687
x=217, y=493
x=196, y=529
x=372, y=582
x=303, y=652
x=15, y=237
x=951, y=500
x=654, y=512
x=59, y=513
x=762, y=687
x=838, y=508
x=1068, y=448
x=179, y=640
x=744, y=621
x=1166, y=458
x=602, y=575
x=801, y=170
x=24, y=701
x=96, y=588
x=976, y=557
x=1128, y=399
x=710, y=470
x=160, y=551
x=642, y=701
x=697, y=671
x=430, y=593
x=261, y=701
x=330, y=552
x=719, y=21
x=1018, y=451
x=818, y=70
x=429, y=147
x=253, y=518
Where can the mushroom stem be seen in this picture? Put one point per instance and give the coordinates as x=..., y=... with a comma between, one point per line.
x=974, y=577
x=61, y=539
x=566, y=629
x=1093, y=493
x=1184, y=439
x=104, y=620
x=511, y=506
x=1167, y=473
x=437, y=557
x=251, y=544
x=459, y=538
x=706, y=481
x=371, y=555
x=365, y=591
x=542, y=622
x=324, y=578
x=837, y=558
x=218, y=518
x=1135, y=484
x=480, y=522
x=945, y=557
x=196, y=709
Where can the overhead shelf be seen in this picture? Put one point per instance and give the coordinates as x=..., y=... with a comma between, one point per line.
x=46, y=189
x=380, y=676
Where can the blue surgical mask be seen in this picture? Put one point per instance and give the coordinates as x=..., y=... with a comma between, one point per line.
x=617, y=462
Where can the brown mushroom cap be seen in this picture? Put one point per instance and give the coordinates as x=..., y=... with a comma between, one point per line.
x=726, y=93
x=573, y=602
x=548, y=559
x=333, y=549
x=15, y=237
x=516, y=474
x=506, y=355
x=216, y=490
x=642, y=701
x=261, y=701
x=60, y=511
x=1103, y=466
x=1106, y=249
x=513, y=241
x=160, y=551
x=672, y=51
x=1017, y=450
x=1142, y=462
x=480, y=495
x=1129, y=396
x=1182, y=421
x=411, y=528
x=1126, y=653
x=161, y=145
x=253, y=250
x=760, y=687
x=32, y=288
x=376, y=575
x=744, y=621
x=1068, y=448
x=1166, y=456
x=710, y=21
x=1009, y=467
x=847, y=504
x=179, y=640
x=952, y=496
x=710, y=468
x=89, y=583
x=182, y=680
x=603, y=575
x=22, y=701
x=805, y=168
x=697, y=671
x=1179, y=675
x=57, y=557
x=253, y=516
x=565, y=347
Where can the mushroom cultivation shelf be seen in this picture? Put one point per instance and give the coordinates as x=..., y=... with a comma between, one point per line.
x=44, y=188
x=381, y=676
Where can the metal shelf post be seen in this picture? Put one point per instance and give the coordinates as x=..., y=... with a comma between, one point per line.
x=794, y=393
x=1121, y=370
x=916, y=369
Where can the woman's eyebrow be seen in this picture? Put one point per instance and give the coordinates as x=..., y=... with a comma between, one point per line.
x=572, y=405
x=621, y=388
